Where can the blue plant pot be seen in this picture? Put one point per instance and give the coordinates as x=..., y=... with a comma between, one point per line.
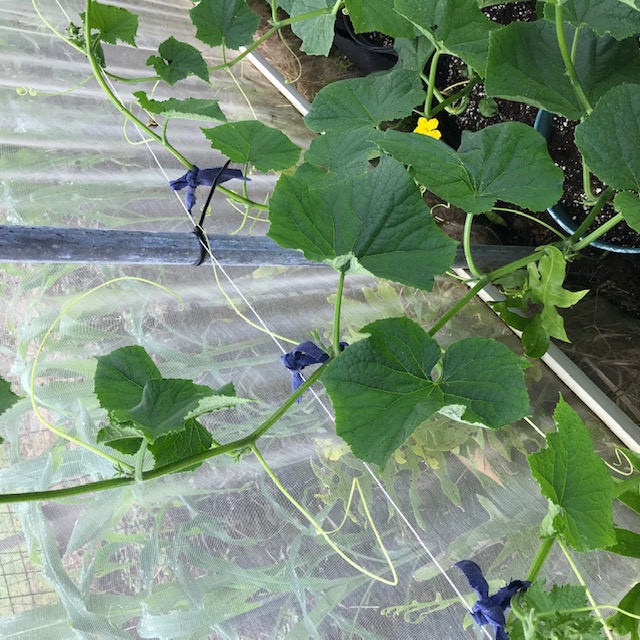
x=544, y=125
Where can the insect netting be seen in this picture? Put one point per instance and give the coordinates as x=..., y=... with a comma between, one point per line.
x=319, y=546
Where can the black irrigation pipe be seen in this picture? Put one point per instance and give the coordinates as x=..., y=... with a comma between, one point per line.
x=50, y=244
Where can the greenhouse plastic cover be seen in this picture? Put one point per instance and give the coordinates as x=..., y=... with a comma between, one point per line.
x=223, y=552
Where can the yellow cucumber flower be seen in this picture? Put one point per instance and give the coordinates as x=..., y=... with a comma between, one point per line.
x=428, y=128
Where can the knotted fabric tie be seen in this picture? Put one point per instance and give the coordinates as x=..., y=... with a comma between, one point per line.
x=203, y=177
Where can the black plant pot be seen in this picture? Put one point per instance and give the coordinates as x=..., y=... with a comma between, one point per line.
x=362, y=52
x=544, y=125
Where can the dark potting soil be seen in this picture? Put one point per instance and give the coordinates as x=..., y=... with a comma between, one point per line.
x=614, y=276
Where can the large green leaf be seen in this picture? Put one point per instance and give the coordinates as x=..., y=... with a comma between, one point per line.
x=507, y=161
x=623, y=624
x=457, y=27
x=316, y=33
x=224, y=22
x=176, y=446
x=378, y=15
x=380, y=220
x=413, y=53
x=628, y=204
x=114, y=23
x=178, y=60
x=577, y=481
x=350, y=111
x=382, y=387
x=164, y=406
x=358, y=102
x=7, y=397
x=251, y=141
x=121, y=375
x=525, y=65
x=344, y=152
x=189, y=108
x=609, y=138
x=605, y=17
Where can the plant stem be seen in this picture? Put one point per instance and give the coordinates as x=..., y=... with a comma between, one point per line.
x=540, y=558
x=174, y=467
x=433, y=66
x=609, y=224
x=325, y=535
x=54, y=30
x=593, y=214
x=482, y=282
x=586, y=183
x=568, y=63
x=236, y=197
x=578, y=575
x=445, y=102
x=140, y=459
x=97, y=72
x=466, y=244
x=597, y=607
x=336, y=311
x=533, y=219
x=627, y=485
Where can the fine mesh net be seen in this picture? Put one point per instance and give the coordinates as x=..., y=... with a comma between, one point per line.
x=227, y=551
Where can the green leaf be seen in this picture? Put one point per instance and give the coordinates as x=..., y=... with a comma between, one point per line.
x=627, y=543
x=609, y=138
x=164, y=406
x=358, y=102
x=346, y=152
x=121, y=376
x=251, y=141
x=546, y=277
x=113, y=23
x=413, y=53
x=316, y=33
x=605, y=17
x=189, y=108
x=224, y=22
x=124, y=438
x=628, y=204
x=545, y=618
x=535, y=337
x=507, y=161
x=378, y=15
x=525, y=65
x=176, y=446
x=457, y=27
x=485, y=379
x=574, y=478
x=621, y=623
x=217, y=402
x=382, y=387
x=631, y=499
x=379, y=219
x=177, y=61
x=7, y=397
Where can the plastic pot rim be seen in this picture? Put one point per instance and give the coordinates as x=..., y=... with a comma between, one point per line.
x=543, y=125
